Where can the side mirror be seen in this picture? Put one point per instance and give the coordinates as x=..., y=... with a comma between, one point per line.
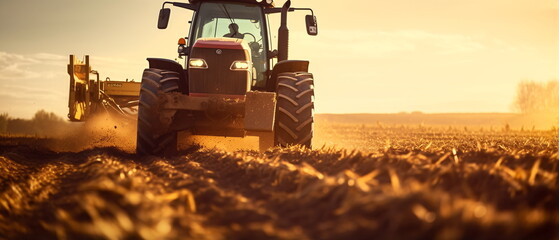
x=312, y=26
x=164, y=15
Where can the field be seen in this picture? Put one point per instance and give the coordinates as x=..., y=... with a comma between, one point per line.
x=363, y=181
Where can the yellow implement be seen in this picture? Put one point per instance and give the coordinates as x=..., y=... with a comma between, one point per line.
x=88, y=97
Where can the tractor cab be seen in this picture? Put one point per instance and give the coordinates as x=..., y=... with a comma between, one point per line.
x=235, y=20
x=240, y=19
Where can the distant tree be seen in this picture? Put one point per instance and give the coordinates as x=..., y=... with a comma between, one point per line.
x=20, y=126
x=46, y=123
x=537, y=96
x=4, y=122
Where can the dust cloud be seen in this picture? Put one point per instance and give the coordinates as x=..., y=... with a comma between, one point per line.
x=103, y=130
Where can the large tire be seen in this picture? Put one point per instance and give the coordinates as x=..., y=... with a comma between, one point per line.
x=154, y=137
x=294, y=109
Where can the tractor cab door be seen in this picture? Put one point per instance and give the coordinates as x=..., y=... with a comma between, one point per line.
x=236, y=20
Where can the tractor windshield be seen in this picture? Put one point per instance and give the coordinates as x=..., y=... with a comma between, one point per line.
x=236, y=20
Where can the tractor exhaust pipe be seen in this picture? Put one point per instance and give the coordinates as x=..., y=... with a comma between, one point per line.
x=283, y=33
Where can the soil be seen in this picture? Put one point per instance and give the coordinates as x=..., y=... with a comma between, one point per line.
x=362, y=182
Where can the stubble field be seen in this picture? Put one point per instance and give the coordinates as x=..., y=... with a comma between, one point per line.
x=360, y=182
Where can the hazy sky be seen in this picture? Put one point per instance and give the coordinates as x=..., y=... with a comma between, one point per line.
x=370, y=56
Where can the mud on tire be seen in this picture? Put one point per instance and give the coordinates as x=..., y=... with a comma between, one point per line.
x=154, y=136
x=294, y=110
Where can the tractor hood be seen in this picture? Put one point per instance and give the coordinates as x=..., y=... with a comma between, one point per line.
x=221, y=43
x=220, y=66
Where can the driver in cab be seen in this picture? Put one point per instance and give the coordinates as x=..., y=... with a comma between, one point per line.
x=259, y=63
x=234, y=31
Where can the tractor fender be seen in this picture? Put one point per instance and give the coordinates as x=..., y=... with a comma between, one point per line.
x=170, y=65
x=286, y=66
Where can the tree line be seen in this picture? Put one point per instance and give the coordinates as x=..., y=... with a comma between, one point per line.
x=42, y=124
x=534, y=96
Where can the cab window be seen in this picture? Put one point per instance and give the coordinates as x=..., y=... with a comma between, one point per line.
x=236, y=20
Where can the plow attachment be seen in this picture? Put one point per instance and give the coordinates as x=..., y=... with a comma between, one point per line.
x=88, y=97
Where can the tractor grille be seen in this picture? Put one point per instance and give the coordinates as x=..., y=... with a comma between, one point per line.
x=218, y=78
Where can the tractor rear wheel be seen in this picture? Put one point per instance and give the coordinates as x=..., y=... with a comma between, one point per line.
x=294, y=109
x=154, y=136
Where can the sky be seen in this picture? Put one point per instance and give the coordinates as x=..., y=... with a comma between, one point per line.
x=370, y=56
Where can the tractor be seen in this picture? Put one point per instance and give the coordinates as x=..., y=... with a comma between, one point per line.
x=229, y=85
x=233, y=83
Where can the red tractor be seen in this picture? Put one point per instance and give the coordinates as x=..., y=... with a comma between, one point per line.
x=228, y=86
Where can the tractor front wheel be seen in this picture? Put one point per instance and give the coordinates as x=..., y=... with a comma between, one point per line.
x=294, y=109
x=154, y=136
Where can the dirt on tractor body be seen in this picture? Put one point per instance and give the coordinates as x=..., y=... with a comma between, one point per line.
x=399, y=183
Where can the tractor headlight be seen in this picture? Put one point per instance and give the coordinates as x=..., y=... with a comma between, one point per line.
x=240, y=66
x=197, y=63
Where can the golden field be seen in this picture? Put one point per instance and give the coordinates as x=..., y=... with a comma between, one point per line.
x=362, y=181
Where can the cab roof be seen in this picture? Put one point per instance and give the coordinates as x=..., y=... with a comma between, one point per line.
x=257, y=2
